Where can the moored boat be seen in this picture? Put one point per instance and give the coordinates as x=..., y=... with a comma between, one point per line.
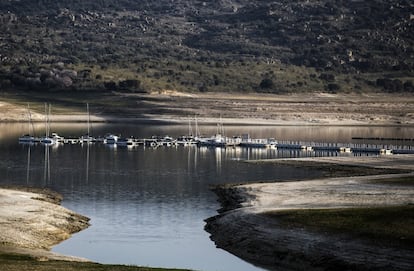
x=129, y=141
x=47, y=140
x=111, y=139
x=57, y=138
x=27, y=139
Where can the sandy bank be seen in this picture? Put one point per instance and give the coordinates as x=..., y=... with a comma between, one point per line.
x=33, y=222
x=247, y=233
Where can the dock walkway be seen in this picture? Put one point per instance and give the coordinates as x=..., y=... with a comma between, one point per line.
x=346, y=147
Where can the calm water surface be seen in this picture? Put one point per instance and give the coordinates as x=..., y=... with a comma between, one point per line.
x=147, y=206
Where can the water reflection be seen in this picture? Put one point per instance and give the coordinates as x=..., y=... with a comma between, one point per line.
x=87, y=146
x=28, y=163
x=46, y=171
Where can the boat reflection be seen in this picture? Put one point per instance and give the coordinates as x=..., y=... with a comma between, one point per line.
x=46, y=169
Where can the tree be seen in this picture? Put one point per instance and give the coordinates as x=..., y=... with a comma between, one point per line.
x=266, y=83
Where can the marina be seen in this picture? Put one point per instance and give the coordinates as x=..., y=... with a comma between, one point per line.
x=219, y=139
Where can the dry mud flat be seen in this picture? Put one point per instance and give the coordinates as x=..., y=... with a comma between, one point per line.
x=245, y=231
x=32, y=222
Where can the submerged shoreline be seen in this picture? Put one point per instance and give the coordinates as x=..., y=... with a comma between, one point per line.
x=244, y=228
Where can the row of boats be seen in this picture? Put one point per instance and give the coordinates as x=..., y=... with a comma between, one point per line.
x=217, y=140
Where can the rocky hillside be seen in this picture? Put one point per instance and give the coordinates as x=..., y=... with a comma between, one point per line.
x=226, y=45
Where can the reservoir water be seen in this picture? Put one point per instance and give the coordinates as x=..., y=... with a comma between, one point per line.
x=148, y=205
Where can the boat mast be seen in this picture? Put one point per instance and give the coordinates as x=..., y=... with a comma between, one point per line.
x=190, y=129
x=48, y=120
x=221, y=126
x=89, y=119
x=196, y=127
x=31, y=126
x=46, y=131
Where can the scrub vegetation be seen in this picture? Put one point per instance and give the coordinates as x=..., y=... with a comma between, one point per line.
x=198, y=46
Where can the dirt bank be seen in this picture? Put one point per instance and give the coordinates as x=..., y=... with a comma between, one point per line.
x=234, y=108
x=245, y=231
x=34, y=222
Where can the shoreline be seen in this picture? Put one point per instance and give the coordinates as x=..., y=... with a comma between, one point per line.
x=180, y=120
x=32, y=221
x=172, y=107
x=263, y=241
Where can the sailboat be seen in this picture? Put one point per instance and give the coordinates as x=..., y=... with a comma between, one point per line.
x=28, y=138
x=87, y=138
x=47, y=139
x=217, y=140
x=190, y=139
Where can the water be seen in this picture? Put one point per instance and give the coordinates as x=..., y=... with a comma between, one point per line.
x=147, y=206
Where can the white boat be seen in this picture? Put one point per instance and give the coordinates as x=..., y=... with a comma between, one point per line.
x=111, y=139
x=216, y=140
x=57, y=138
